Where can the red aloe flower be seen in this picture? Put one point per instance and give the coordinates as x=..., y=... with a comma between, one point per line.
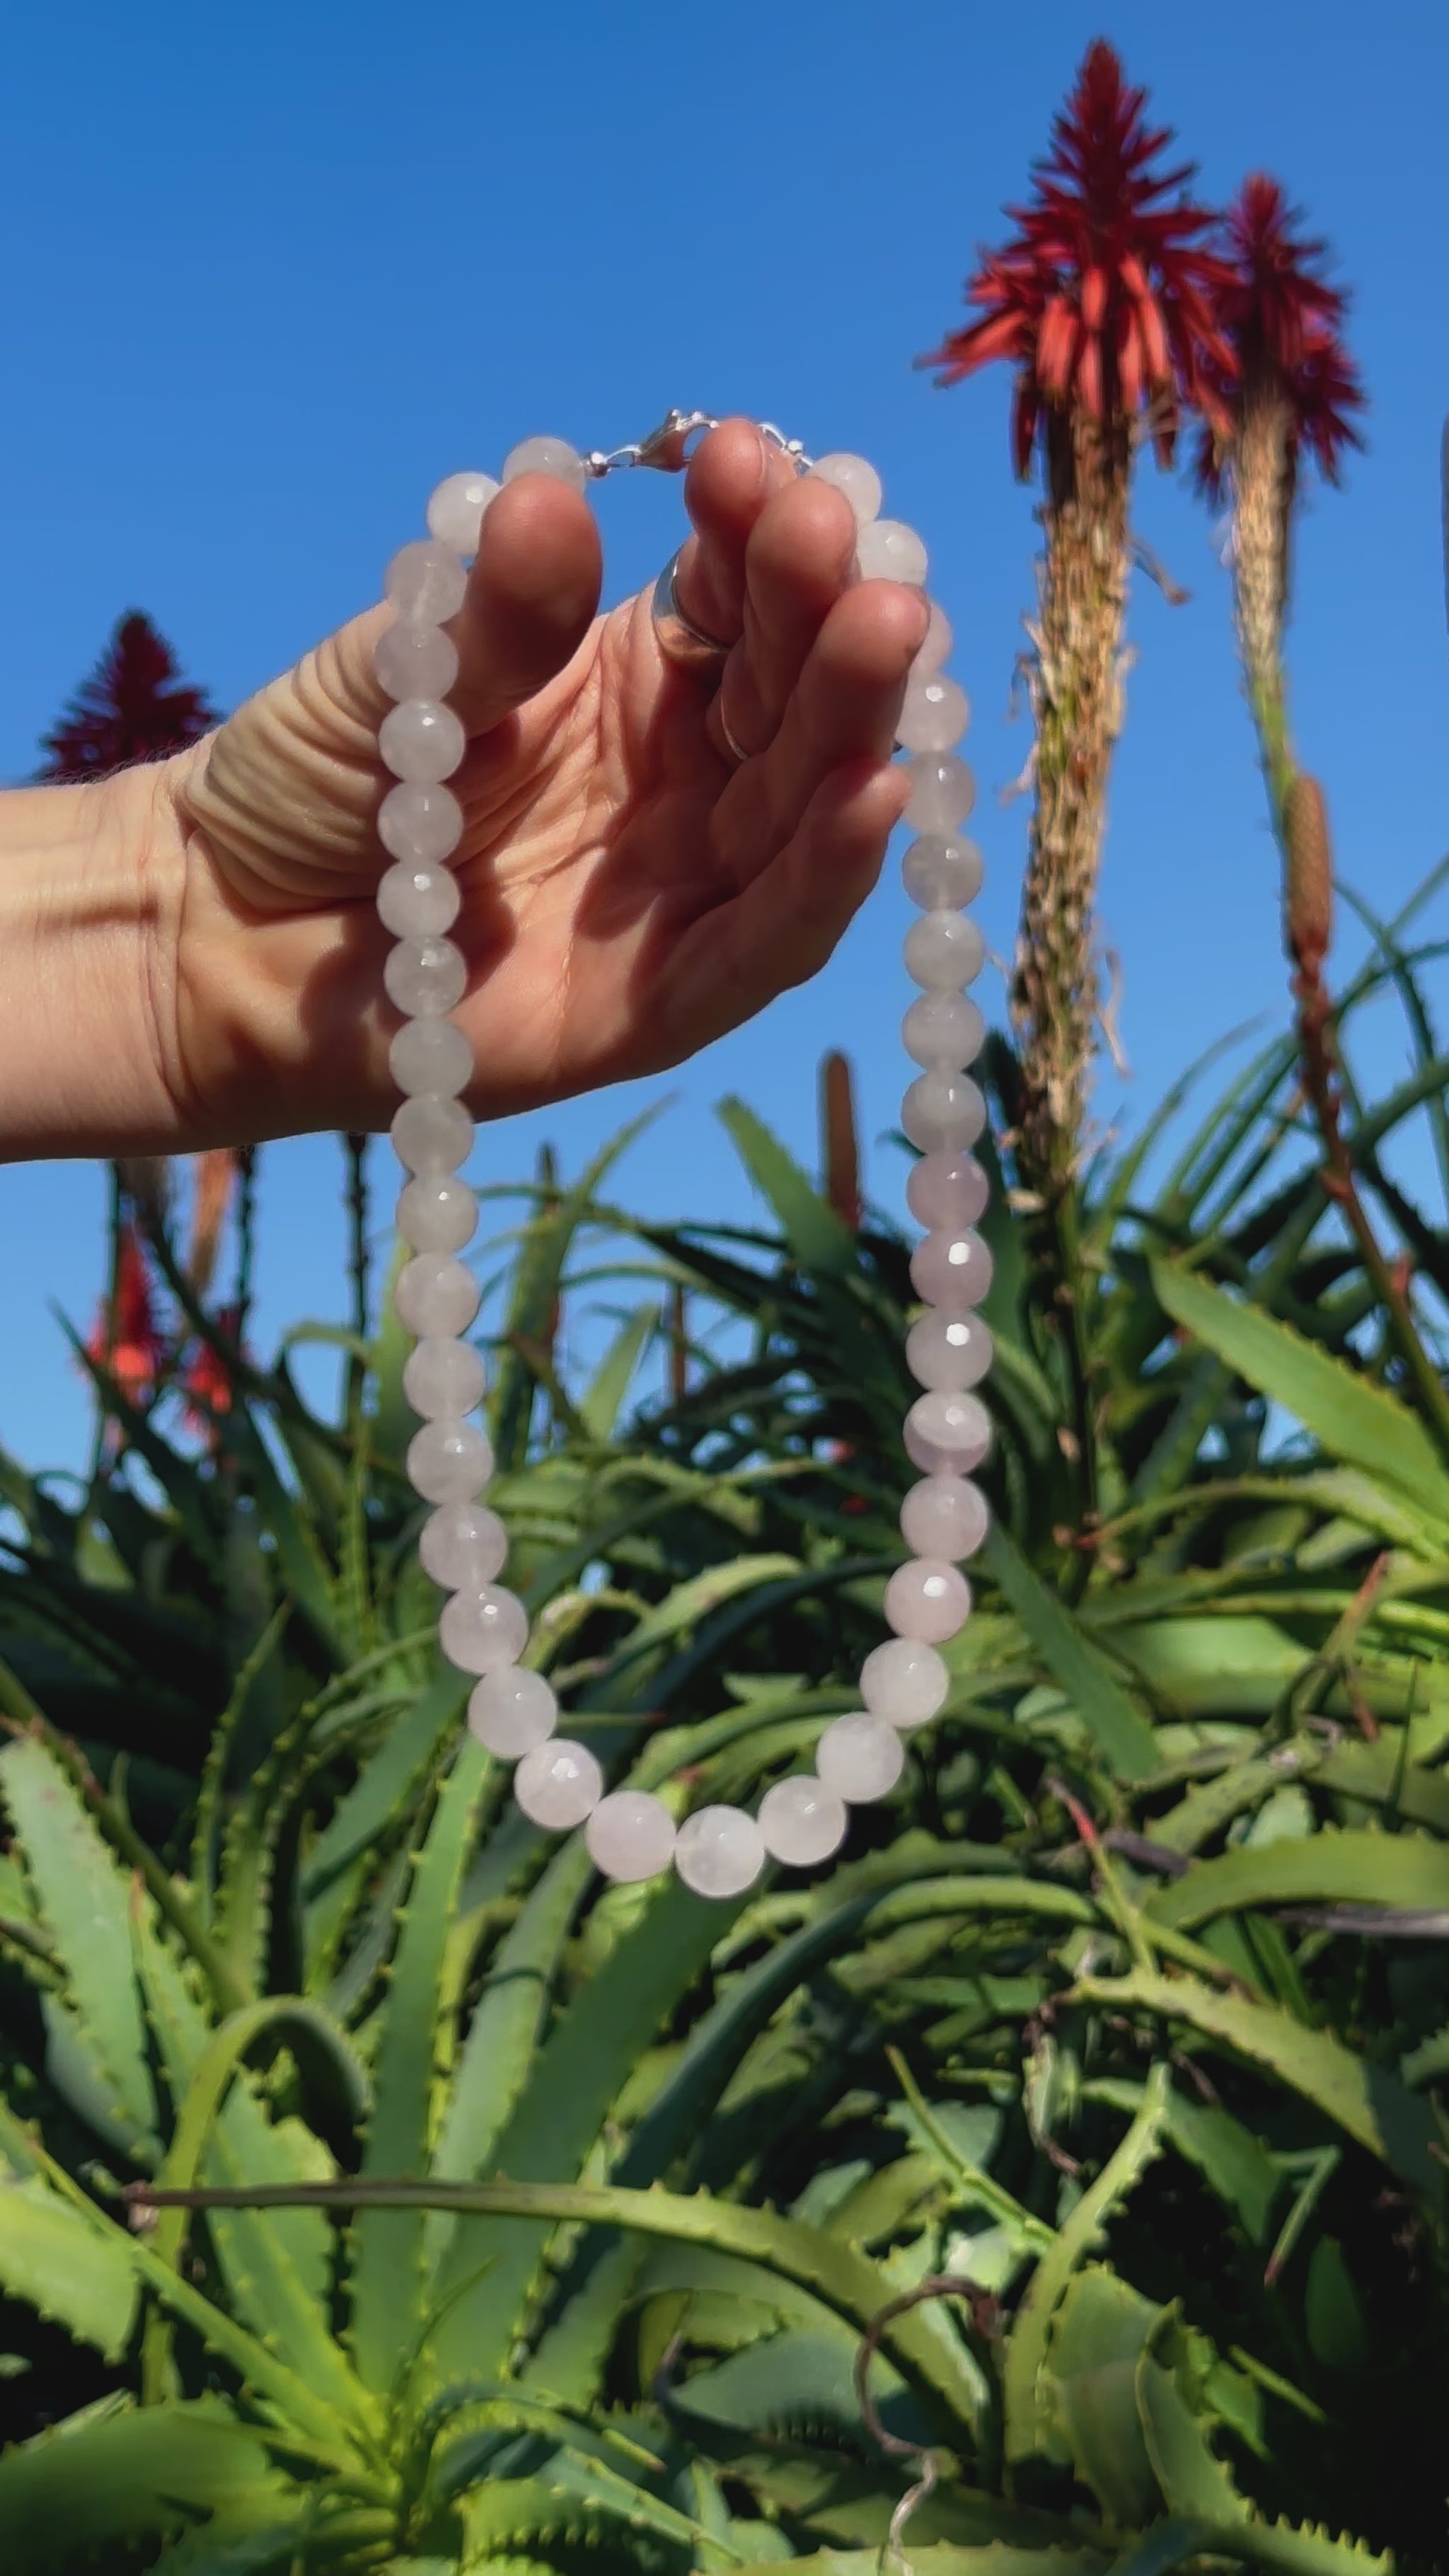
x=125, y=1337
x=1284, y=321
x=206, y=1380
x=134, y=706
x=1104, y=300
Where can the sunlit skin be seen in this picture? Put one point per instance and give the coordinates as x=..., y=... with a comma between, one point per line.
x=189, y=953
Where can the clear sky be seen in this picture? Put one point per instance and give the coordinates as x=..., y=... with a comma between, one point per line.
x=267, y=273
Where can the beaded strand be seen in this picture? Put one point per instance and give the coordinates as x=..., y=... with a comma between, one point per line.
x=719, y=1851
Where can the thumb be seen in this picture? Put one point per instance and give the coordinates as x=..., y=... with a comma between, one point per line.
x=532, y=595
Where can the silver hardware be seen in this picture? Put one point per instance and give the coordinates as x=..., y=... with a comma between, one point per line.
x=680, y=640
x=667, y=448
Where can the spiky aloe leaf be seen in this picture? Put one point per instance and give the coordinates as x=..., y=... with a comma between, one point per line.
x=104, y=2481
x=50, y=2259
x=1116, y=1726
x=1396, y=1871
x=1097, y=2341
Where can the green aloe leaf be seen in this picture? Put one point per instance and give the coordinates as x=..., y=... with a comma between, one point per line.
x=1350, y=1868
x=1112, y=1719
x=105, y=2481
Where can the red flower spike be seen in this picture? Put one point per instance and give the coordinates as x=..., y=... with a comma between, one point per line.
x=1284, y=322
x=206, y=1381
x=1101, y=242
x=125, y=1338
x=134, y=706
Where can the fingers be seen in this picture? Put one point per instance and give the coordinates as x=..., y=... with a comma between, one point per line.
x=730, y=479
x=799, y=559
x=532, y=596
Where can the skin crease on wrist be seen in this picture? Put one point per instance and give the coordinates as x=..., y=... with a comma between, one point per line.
x=189, y=953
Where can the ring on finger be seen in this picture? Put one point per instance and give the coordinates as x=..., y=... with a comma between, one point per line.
x=736, y=749
x=680, y=641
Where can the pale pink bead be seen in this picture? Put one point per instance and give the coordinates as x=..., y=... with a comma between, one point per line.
x=856, y=478
x=927, y=1599
x=939, y=640
x=512, y=1712
x=947, y=1434
x=421, y=741
x=546, y=456
x=415, y=901
x=945, y=1029
x=431, y=1055
x=943, y=791
x=944, y=1516
x=419, y=824
x=441, y=1376
x=425, y=978
x=943, y=1109
x=944, y=950
x=860, y=1757
x=887, y=550
x=436, y=1213
x=951, y=1270
x=462, y=1545
x=558, y=1785
x=946, y=1189
x=941, y=871
x=719, y=1851
x=483, y=1628
x=432, y=1135
x=934, y=714
x=630, y=1835
x=456, y=507
x=415, y=661
x=425, y=582
x=950, y=1351
x=449, y=1462
x=801, y=1821
x=436, y=1294
x=904, y=1681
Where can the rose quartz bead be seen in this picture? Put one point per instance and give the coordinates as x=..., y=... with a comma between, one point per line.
x=431, y=1135
x=449, y=1462
x=943, y=1109
x=887, y=550
x=431, y=1055
x=462, y=1545
x=860, y=1757
x=558, y=1785
x=937, y=646
x=904, y=1682
x=944, y=1028
x=483, y=1628
x=934, y=713
x=630, y=1835
x=944, y=1516
x=941, y=871
x=435, y=1294
x=425, y=582
x=545, y=456
x=417, y=902
x=456, y=507
x=856, y=478
x=948, y=1351
x=801, y=1821
x=944, y=950
x=436, y=1213
x=947, y=1434
x=951, y=1270
x=443, y=1376
x=425, y=978
x=943, y=791
x=719, y=1851
x=415, y=661
x=419, y=825
x=927, y=1599
x=946, y=1189
x=421, y=741
x=512, y=1712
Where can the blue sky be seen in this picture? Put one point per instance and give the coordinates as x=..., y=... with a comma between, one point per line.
x=267, y=274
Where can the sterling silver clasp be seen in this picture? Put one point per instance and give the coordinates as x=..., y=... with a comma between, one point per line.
x=667, y=448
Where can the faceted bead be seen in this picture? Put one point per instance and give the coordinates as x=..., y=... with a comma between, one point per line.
x=860, y=1757
x=951, y=1270
x=512, y=1712
x=944, y=1516
x=943, y=792
x=449, y=1462
x=436, y=1294
x=415, y=661
x=719, y=1851
x=558, y=1785
x=935, y=713
x=801, y=1821
x=443, y=1376
x=943, y=1109
x=464, y=1544
x=630, y=1835
x=432, y=1135
x=887, y=550
x=946, y=1189
x=425, y=978
x=425, y=582
x=856, y=478
x=940, y=872
x=417, y=902
x=947, y=1434
x=456, y=507
x=545, y=456
x=944, y=950
x=431, y=1055
x=927, y=1599
x=948, y=1351
x=937, y=646
x=483, y=1628
x=943, y=1028
x=436, y=1213
x=904, y=1682
x=421, y=741
x=419, y=825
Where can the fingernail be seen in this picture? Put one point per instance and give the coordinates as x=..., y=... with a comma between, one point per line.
x=762, y=462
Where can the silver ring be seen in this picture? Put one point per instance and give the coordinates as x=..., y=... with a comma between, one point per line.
x=680, y=641
x=736, y=750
